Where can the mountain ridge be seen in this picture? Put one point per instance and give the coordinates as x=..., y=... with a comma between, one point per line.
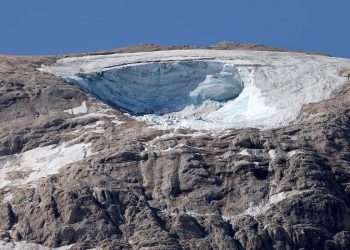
x=131, y=186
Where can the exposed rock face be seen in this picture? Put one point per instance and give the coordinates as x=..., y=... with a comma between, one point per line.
x=136, y=187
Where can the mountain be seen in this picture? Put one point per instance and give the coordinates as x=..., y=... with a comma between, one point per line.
x=223, y=147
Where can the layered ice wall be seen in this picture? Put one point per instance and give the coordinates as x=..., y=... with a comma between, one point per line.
x=163, y=87
x=207, y=89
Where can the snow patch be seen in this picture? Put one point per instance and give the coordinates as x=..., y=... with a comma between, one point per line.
x=272, y=154
x=117, y=122
x=294, y=152
x=94, y=127
x=244, y=152
x=225, y=218
x=7, y=197
x=255, y=210
x=250, y=152
x=82, y=109
x=30, y=166
x=282, y=196
x=192, y=214
x=95, y=115
x=23, y=245
x=276, y=154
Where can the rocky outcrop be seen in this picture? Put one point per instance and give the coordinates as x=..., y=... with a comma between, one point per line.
x=143, y=188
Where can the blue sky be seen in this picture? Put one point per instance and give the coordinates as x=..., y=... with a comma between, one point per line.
x=40, y=27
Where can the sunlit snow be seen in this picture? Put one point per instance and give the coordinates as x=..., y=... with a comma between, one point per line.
x=82, y=109
x=31, y=165
x=23, y=245
x=207, y=89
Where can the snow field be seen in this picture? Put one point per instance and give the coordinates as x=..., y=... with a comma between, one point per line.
x=207, y=89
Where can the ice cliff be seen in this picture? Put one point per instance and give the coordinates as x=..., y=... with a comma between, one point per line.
x=206, y=89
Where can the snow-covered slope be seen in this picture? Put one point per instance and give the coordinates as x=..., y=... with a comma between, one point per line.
x=207, y=89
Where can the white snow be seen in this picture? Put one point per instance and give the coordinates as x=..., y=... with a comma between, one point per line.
x=252, y=210
x=99, y=130
x=198, y=88
x=282, y=196
x=250, y=152
x=7, y=197
x=276, y=154
x=93, y=127
x=255, y=210
x=225, y=218
x=194, y=214
x=244, y=152
x=30, y=166
x=272, y=154
x=23, y=245
x=82, y=109
x=94, y=114
x=117, y=122
x=191, y=213
x=294, y=152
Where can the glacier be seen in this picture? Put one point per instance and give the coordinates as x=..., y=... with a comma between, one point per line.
x=163, y=87
x=206, y=89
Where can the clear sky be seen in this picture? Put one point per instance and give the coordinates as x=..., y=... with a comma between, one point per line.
x=36, y=27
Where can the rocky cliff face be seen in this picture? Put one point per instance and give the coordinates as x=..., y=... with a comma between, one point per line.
x=78, y=174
